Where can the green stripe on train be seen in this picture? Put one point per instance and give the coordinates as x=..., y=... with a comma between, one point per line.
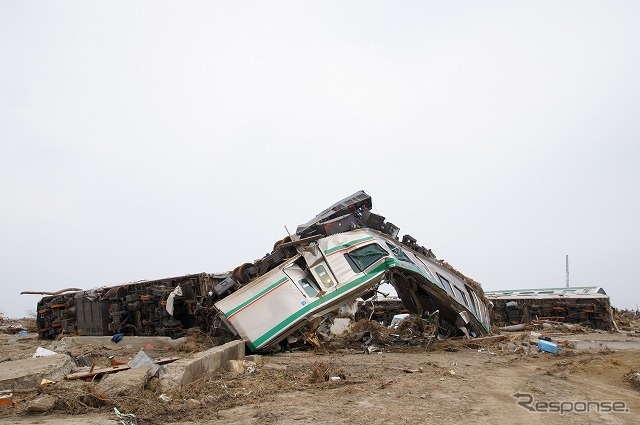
x=311, y=306
x=244, y=304
x=347, y=287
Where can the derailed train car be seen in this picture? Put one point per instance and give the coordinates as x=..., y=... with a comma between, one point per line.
x=164, y=307
x=589, y=306
x=343, y=253
x=343, y=267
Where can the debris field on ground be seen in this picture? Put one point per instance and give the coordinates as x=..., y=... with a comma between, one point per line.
x=344, y=380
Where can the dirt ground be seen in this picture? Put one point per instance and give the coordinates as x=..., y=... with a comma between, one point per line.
x=448, y=383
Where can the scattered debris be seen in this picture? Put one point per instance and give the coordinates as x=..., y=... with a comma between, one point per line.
x=323, y=372
x=234, y=366
x=43, y=352
x=192, y=403
x=513, y=328
x=548, y=346
x=142, y=360
x=126, y=418
x=633, y=377
x=6, y=399
x=340, y=325
x=113, y=369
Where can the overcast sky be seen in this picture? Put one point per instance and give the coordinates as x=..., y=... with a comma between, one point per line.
x=142, y=140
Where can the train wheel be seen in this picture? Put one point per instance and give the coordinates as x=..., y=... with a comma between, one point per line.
x=241, y=275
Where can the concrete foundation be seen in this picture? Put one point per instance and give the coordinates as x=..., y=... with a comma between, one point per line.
x=185, y=371
x=28, y=373
x=126, y=342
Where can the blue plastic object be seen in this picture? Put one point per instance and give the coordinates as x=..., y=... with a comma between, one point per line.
x=117, y=338
x=548, y=346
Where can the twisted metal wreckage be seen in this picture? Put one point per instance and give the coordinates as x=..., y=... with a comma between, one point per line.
x=342, y=254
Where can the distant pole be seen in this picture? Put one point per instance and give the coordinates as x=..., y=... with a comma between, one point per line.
x=567, y=267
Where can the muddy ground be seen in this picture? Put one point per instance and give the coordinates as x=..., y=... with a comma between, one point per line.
x=446, y=383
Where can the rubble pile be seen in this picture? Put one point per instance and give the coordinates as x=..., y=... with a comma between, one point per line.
x=12, y=327
x=628, y=320
x=324, y=372
x=75, y=378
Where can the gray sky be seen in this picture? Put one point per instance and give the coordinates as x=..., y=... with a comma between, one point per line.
x=141, y=140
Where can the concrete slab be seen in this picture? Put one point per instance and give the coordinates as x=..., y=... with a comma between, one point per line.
x=185, y=371
x=127, y=382
x=127, y=342
x=28, y=373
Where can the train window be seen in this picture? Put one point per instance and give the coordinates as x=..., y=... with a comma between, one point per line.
x=324, y=276
x=308, y=288
x=399, y=253
x=447, y=285
x=473, y=302
x=361, y=258
x=464, y=297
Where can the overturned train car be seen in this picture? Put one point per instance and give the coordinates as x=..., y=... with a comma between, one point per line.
x=588, y=306
x=163, y=307
x=343, y=253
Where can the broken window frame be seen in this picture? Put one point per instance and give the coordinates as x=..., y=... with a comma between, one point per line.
x=445, y=282
x=296, y=276
x=473, y=301
x=357, y=265
x=462, y=294
x=430, y=273
x=399, y=253
x=309, y=285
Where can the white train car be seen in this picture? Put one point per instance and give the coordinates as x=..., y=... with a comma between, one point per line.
x=342, y=267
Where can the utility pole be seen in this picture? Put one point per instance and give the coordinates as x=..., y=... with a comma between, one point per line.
x=567, y=267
